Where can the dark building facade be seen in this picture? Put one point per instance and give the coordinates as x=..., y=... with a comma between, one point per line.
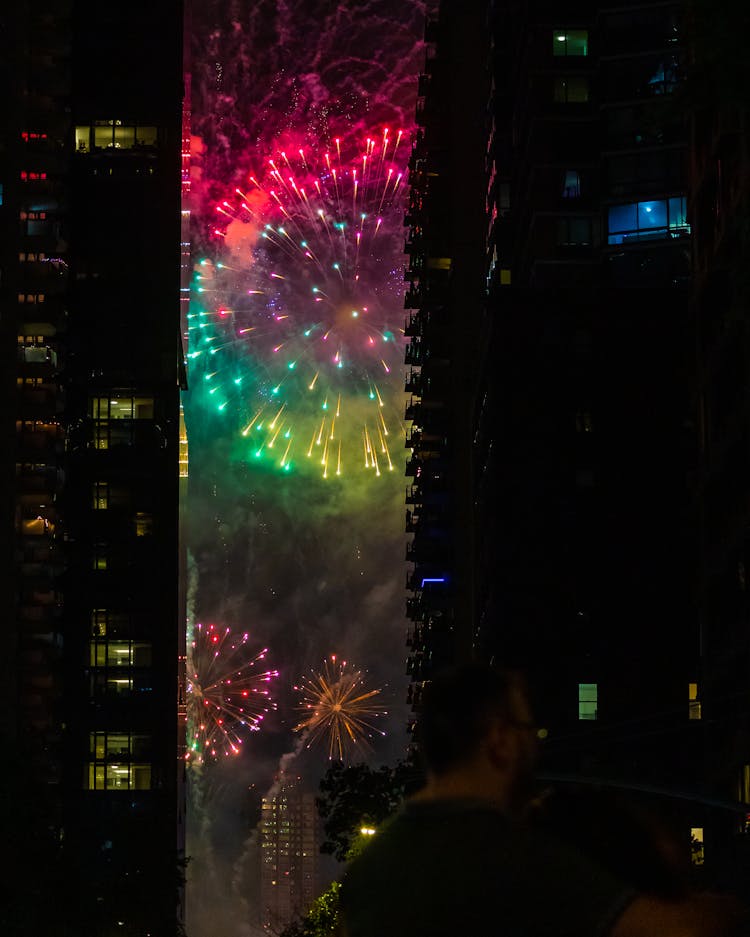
x=445, y=248
x=718, y=207
x=588, y=550
x=90, y=168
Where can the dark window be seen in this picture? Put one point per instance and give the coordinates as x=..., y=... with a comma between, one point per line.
x=574, y=232
x=571, y=89
x=571, y=184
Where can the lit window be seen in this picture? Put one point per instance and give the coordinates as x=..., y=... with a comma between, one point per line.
x=588, y=698
x=114, y=777
x=144, y=524
x=697, y=853
x=743, y=787
x=83, y=139
x=115, y=407
x=99, y=559
x=653, y=220
x=99, y=617
x=111, y=683
x=116, y=654
x=570, y=42
x=571, y=89
x=571, y=184
x=118, y=745
x=666, y=77
x=115, y=135
x=100, y=496
x=694, y=703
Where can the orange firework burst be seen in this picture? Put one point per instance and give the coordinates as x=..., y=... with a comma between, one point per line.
x=227, y=696
x=338, y=708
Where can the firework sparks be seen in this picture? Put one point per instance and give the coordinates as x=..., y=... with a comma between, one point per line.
x=296, y=329
x=227, y=693
x=338, y=708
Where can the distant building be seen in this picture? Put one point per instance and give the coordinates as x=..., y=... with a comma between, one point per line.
x=290, y=847
x=89, y=464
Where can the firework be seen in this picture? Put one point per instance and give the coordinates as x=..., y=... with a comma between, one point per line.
x=338, y=709
x=227, y=692
x=295, y=332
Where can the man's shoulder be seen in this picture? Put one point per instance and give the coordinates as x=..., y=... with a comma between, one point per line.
x=432, y=830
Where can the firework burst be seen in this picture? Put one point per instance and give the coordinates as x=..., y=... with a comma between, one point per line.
x=227, y=692
x=338, y=709
x=295, y=331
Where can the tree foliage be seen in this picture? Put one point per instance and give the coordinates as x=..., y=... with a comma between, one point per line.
x=352, y=796
x=322, y=918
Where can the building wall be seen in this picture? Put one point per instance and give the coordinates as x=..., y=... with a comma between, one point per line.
x=90, y=335
x=445, y=272
x=605, y=494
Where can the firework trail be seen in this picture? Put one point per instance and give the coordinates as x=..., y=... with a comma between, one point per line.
x=338, y=709
x=226, y=696
x=296, y=334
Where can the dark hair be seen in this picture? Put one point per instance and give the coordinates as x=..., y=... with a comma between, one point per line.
x=458, y=706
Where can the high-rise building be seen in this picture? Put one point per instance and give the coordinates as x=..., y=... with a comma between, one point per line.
x=592, y=534
x=719, y=208
x=290, y=846
x=586, y=561
x=445, y=248
x=90, y=344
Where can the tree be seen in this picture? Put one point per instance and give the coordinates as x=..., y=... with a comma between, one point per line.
x=322, y=918
x=353, y=796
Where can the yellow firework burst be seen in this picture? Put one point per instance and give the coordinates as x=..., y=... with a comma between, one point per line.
x=338, y=709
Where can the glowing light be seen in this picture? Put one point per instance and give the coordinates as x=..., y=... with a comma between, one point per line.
x=338, y=709
x=326, y=268
x=227, y=692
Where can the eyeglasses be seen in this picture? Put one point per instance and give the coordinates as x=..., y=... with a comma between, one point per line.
x=528, y=726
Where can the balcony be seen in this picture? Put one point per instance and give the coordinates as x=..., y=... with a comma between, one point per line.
x=414, y=324
x=415, y=244
x=414, y=467
x=412, y=439
x=415, y=353
x=414, y=383
x=413, y=298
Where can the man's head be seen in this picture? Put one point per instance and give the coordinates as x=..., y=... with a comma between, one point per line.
x=477, y=721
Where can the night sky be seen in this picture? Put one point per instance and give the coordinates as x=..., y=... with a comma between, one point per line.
x=308, y=567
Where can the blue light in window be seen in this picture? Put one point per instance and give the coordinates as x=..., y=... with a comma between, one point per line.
x=621, y=218
x=652, y=215
x=432, y=580
x=677, y=212
x=660, y=218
